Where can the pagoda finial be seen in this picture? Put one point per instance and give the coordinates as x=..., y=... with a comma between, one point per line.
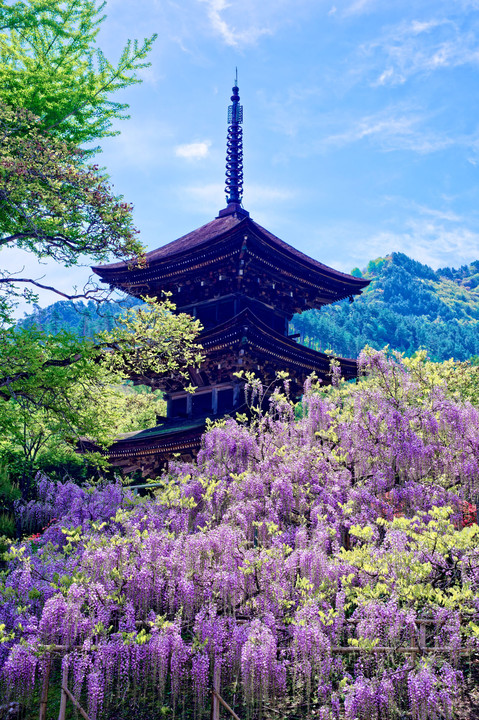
x=234, y=156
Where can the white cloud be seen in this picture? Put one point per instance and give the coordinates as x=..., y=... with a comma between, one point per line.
x=214, y=10
x=436, y=236
x=358, y=7
x=421, y=47
x=242, y=23
x=445, y=215
x=211, y=197
x=416, y=27
x=385, y=77
x=392, y=129
x=194, y=150
x=141, y=145
x=231, y=35
x=427, y=241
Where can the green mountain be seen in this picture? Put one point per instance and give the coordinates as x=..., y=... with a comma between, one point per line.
x=85, y=319
x=408, y=305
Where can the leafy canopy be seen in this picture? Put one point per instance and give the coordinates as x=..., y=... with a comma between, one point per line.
x=50, y=64
x=51, y=203
x=55, y=97
x=61, y=387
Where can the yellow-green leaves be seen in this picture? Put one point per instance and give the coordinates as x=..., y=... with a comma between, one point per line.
x=153, y=340
x=50, y=64
x=422, y=563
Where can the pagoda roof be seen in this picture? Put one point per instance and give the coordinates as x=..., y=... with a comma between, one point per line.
x=171, y=428
x=246, y=328
x=212, y=232
x=160, y=442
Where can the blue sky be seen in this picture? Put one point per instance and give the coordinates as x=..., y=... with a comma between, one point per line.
x=361, y=129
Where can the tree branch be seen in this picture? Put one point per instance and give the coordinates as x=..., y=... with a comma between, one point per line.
x=87, y=294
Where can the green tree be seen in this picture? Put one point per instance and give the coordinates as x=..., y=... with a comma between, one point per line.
x=56, y=388
x=51, y=65
x=51, y=203
x=56, y=89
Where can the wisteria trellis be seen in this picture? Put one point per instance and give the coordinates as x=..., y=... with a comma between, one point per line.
x=301, y=553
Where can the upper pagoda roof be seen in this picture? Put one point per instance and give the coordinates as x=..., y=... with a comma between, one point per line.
x=232, y=253
x=190, y=244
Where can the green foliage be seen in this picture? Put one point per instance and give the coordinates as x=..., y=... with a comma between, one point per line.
x=56, y=389
x=51, y=390
x=432, y=552
x=51, y=203
x=139, y=408
x=7, y=526
x=56, y=87
x=50, y=65
x=9, y=492
x=407, y=306
x=151, y=340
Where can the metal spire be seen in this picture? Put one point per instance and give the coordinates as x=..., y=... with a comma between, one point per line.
x=234, y=156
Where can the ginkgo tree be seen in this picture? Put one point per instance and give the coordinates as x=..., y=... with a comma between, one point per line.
x=51, y=65
x=56, y=88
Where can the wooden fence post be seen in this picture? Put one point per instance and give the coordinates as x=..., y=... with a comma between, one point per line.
x=414, y=646
x=227, y=707
x=63, y=697
x=215, y=704
x=45, y=684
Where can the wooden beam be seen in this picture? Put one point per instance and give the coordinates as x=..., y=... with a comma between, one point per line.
x=225, y=705
x=215, y=706
x=63, y=697
x=75, y=702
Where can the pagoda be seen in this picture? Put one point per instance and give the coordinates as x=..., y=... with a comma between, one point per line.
x=244, y=284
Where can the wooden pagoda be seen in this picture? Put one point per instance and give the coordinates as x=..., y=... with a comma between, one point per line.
x=245, y=285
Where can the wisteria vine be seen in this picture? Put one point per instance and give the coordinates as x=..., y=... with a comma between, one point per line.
x=325, y=556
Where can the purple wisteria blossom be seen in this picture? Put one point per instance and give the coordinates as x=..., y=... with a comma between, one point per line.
x=319, y=557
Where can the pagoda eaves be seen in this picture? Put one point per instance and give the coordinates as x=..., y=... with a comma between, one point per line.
x=245, y=342
x=234, y=254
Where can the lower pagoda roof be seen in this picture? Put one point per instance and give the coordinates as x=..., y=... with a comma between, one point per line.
x=243, y=342
x=150, y=449
x=247, y=332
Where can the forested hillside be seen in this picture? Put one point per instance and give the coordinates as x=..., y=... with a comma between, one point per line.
x=83, y=319
x=407, y=306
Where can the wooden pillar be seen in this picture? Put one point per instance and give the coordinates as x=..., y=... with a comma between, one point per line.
x=422, y=635
x=214, y=400
x=189, y=404
x=215, y=703
x=45, y=683
x=236, y=393
x=63, y=697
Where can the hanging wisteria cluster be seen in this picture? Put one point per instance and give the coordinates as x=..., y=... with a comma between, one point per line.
x=324, y=556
